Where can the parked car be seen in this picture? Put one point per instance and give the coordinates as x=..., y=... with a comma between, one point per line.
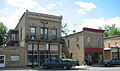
x=71, y=60
x=55, y=63
x=112, y=62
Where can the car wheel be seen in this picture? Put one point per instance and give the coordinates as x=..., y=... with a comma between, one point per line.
x=64, y=67
x=108, y=65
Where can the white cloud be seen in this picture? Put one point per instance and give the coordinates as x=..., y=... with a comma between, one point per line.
x=85, y=7
x=93, y=23
x=31, y=5
x=11, y=20
x=20, y=6
x=5, y=9
x=100, y=22
x=81, y=11
x=71, y=26
x=23, y=3
x=59, y=3
x=51, y=6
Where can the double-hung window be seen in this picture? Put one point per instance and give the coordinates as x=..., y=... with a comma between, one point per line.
x=98, y=41
x=44, y=33
x=108, y=45
x=88, y=40
x=54, y=33
x=14, y=37
x=32, y=31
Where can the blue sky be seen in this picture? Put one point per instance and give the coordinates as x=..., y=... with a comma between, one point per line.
x=77, y=13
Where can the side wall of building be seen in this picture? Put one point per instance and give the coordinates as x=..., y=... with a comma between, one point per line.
x=21, y=30
x=75, y=46
x=14, y=56
x=111, y=43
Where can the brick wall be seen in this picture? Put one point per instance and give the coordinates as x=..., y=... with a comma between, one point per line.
x=14, y=51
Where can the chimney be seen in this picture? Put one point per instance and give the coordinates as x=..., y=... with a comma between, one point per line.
x=74, y=31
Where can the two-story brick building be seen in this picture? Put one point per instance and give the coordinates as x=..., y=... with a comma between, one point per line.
x=39, y=35
x=112, y=47
x=87, y=44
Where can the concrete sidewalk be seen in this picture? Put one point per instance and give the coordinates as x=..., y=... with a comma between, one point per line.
x=40, y=68
x=18, y=68
x=97, y=65
x=35, y=68
x=82, y=66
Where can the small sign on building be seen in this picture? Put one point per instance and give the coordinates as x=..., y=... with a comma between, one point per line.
x=15, y=58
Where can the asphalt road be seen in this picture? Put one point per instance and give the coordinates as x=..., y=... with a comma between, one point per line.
x=84, y=68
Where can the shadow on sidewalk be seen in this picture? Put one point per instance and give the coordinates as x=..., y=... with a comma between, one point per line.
x=98, y=65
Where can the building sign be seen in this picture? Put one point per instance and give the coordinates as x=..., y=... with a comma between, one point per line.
x=15, y=58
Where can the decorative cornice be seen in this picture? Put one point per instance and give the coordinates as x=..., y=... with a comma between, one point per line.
x=44, y=15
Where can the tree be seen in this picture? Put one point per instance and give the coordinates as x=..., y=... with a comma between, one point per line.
x=3, y=31
x=65, y=29
x=111, y=30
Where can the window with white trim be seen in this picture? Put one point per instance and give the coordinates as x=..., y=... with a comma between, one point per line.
x=88, y=40
x=98, y=41
x=14, y=37
x=32, y=31
x=108, y=45
x=54, y=33
x=44, y=33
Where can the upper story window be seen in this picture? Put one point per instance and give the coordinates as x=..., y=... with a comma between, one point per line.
x=98, y=41
x=21, y=34
x=68, y=42
x=108, y=45
x=88, y=40
x=54, y=33
x=77, y=39
x=14, y=37
x=116, y=44
x=44, y=33
x=32, y=31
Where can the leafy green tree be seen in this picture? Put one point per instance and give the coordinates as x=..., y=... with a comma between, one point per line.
x=3, y=31
x=111, y=30
x=65, y=29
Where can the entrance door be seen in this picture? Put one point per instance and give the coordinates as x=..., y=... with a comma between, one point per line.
x=2, y=60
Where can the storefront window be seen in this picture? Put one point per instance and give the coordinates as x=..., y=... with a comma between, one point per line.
x=35, y=58
x=1, y=59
